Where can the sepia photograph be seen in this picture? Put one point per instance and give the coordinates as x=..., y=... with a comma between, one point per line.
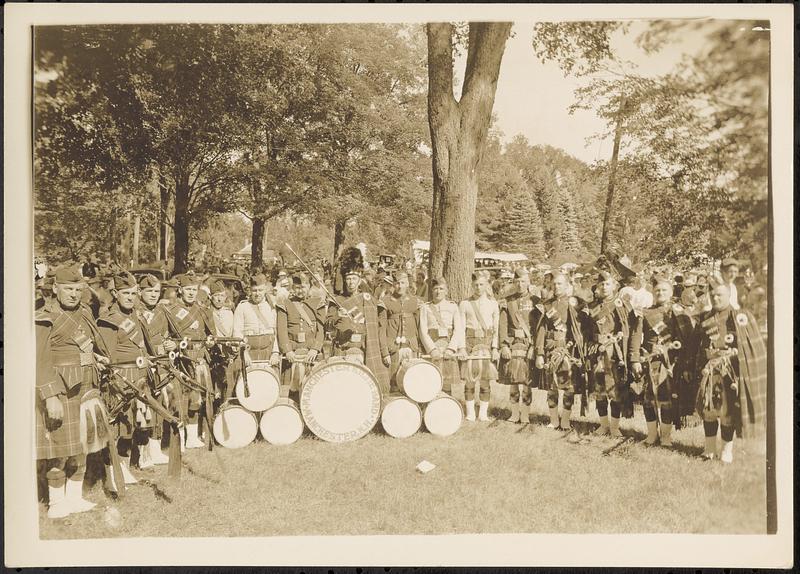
x=403, y=276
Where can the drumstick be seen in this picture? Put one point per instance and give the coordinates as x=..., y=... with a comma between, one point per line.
x=244, y=373
x=321, y=284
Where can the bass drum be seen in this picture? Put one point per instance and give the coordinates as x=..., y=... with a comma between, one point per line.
x=263, y=387
x=234, y=425
x=420, y=380
x=282, y=423
x=400, y=417
x=443, y=415
x=340, y=400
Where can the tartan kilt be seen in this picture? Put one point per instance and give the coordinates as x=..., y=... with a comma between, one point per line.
x=724, y=403
x=478, y=370
x=657, y=395
x=609, y=381
x=562, y=379
x=516, y=370
x=260, y=347
x=450, y=373
x=64, y=440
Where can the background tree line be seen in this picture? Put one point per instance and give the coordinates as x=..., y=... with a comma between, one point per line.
x=176, y=141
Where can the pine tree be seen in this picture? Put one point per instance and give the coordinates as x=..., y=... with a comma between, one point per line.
x=521, y=227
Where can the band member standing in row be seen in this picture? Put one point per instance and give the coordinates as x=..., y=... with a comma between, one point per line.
x=70, y=351
x=153, y=317
x=481, y=318
x=516, y=345
x=126, y=340
x=255, y=319
x=728, y=357
x=191, y=321
x=559, y=342
x=442, y=333
x=301, y=332
x=398, y=321
x=608, y=331
x=353, y=320
x=657, y=353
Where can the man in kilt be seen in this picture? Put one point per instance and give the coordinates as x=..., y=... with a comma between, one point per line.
x=607, y=327
x=657, y=357
x=189, y=321
x=728, y=358
x=154, y=320
x=255, y=319
x=353, y=321
x=516, y=345
x=70, y=352
x=398, y=318
x=481, y=318
x=442, y=333
x=301, y=332
x=125, y=339
x=559, y=346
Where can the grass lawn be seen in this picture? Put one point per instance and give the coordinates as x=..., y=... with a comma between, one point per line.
x=489, y=478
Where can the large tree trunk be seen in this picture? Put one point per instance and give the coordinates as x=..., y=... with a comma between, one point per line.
x=257, y=247
x=338, y=238
x=458, y=134
x=163, y=225
x=612, y=178
x=182, y=197
x=137, y=225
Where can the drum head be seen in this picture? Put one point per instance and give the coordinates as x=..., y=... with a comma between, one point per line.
x=281, y=424
x=443, y=416
x=401, y=417
x=422, y=381
x=235, y=427
x=340, y=401
x=263, y=388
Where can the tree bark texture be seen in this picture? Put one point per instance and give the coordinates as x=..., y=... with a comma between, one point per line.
x=612, y=179
x=163, y=226
x=257, y=245
x=458, y=135
x=182, y=215
x=338, y=238
x=137, y=226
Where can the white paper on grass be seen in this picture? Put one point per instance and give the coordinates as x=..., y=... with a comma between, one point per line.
x=425, y=466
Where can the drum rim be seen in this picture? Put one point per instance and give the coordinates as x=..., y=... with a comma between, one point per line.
x=317, y=429
x=240, y=385
x=404, y=399
x=228, y=406
x=294, y=408
x=443, y=396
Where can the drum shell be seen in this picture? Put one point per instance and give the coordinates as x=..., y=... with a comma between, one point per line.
x=443, y=415
x=272, y=434
x=351, y=424
x=241, y=421
x=403, y=428
x=414, y=392
x=264, y=385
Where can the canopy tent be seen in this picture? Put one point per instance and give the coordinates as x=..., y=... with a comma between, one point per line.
x=418, y=247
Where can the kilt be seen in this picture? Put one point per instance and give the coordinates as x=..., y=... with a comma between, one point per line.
x=64, y=440
x=397, y=359
x=657, y=395
x=292, y=379
x=724, y=401
x=478, y=370
x=261, y=347
x=516, y=370
x=610, y=381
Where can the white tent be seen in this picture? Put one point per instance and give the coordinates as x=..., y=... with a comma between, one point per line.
x=419, y=247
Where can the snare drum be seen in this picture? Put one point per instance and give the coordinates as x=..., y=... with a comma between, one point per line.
x=420, y=380
x=340, y=400
x=263, y=387
x=400, y=417
x=443, y=415
x=234, y=425
x=282, y=423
